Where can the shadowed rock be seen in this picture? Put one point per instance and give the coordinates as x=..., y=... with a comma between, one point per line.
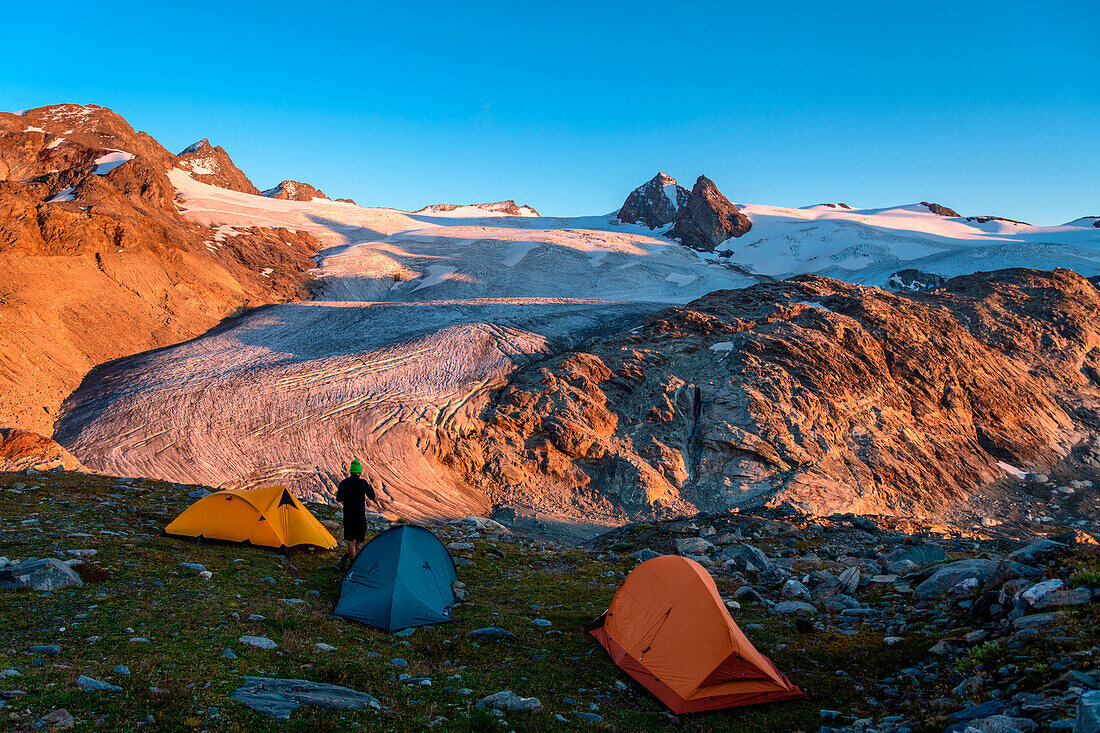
x=47, y=574
x=654, y=203
x=707, y=218
x=280, y=697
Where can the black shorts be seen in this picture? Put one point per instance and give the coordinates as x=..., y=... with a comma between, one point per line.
x=355, y=531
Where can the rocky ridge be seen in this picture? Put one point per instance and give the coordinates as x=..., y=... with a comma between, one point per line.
x=828, y=396
x=508, y=207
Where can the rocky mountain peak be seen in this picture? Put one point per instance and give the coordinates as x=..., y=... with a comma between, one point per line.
x=294, y=191
x=212, y=165
x=654, y=203
x=707, y=218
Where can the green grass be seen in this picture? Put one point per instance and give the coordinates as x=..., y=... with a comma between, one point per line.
x=135, y=583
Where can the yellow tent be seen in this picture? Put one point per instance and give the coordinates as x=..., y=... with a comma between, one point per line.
x=268, y=517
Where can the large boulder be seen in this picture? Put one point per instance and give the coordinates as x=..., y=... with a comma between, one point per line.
x=280, y=697
x=654, y=203
x=969, y=575
x=707, y=218
x=1088, y=713
x=47, y=574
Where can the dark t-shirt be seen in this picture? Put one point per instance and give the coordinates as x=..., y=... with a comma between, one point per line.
x=351, y=493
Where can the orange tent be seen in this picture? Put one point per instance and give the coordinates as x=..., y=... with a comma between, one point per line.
x=269, y=517
x=668, y=628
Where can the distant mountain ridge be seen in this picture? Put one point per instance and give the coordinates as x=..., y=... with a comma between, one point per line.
x=507, y=207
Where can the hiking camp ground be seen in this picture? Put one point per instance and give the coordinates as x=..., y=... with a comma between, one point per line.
x=179, y=634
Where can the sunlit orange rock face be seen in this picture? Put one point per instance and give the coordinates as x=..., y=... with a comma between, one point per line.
x=96, y=262
x=830, y=396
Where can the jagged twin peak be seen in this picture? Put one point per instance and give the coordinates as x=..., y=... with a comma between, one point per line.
x=211, y=164
x=702, y=219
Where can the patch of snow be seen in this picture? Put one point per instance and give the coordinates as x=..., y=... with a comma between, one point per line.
x=670, y=194
x=65, y=194
x=55, y=143
x=722, y=346
x=1010, y=469
x=32, y=128
x=681, y=279
x=436, y=275
x=202, y=166
x=266, y=272
x=816, y=306
x=107, y=163
x=517, y=252
x=595, y=258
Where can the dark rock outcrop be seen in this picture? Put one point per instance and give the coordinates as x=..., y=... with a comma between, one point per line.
x=836, y=206
x=211, y=164
x=707, y=218
x=939, y=209
x=345, y=201
x=915, y=280
x=654, y=203
x=294, y=191
x=985, y=219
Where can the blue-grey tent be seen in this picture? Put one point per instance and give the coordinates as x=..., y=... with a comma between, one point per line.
x=401, y=578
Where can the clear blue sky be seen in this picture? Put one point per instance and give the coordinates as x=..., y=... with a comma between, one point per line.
x=990, y=108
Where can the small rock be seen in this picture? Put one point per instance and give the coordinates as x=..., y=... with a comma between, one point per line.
x=1035, y=621
x=51, y=649
x=89, y=685
x=511, y=702
x=491, y=632
x=121, y=669
x=793, y=608
x=399, y=663
x=541, y=622
x=693, y=546
x=261, y=642
x=229, y=654
x=325, y=647
x=58, y=719
x=206, y=575
x=192, y=566
x=643, y=555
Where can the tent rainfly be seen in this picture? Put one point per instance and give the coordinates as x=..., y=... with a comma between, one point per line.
x=668, y=628
x=267, y=517
x=401, y=578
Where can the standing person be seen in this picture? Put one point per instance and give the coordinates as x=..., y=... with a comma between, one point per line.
x=351, y=493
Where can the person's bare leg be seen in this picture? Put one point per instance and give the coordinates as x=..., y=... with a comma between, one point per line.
x=353, y=549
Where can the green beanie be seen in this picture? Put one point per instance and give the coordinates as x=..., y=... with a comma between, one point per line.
x=356, y=466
